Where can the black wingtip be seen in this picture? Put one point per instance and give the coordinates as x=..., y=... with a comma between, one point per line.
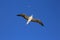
x=18, y=15
x=42, y=24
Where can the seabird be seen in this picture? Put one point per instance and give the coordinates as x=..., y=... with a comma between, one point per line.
x=30, y=19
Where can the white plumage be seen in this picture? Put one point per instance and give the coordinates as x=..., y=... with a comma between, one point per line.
x=29, y=19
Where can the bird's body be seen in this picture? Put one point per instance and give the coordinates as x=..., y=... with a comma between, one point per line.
x=30, y=19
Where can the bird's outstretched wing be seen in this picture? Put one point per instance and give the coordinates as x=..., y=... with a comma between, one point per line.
x=38, y=21
x=24, y=16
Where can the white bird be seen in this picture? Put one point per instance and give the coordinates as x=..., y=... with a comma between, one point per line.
x=30, y=18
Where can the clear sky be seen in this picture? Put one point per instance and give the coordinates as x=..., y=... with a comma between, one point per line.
x=13, y=27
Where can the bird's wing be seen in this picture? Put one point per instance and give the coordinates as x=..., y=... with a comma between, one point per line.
x=24, y=16
x=38, y=21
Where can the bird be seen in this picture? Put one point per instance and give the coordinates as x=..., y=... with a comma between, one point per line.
x=30, y=19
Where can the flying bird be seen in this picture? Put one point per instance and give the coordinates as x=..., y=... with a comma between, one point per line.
x=30, y=19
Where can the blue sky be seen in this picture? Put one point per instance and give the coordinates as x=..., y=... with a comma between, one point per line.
x=15, y=28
